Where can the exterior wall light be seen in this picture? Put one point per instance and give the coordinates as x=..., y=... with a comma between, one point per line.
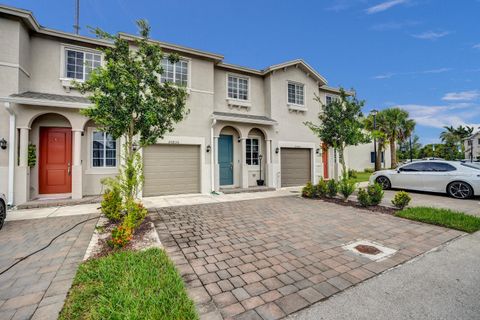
x=208, y=148
x=135, y=146
x=3, y=144
x=277, y=150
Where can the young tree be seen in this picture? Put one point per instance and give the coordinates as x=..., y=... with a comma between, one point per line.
x=130, y=101
x=340, y=124
x=403, y=149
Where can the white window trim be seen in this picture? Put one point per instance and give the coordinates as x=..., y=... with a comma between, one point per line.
x=296, y=106
x=254, y=166
x=98, y=170
x=236, y=75
x=63, y=47
x=189, y=73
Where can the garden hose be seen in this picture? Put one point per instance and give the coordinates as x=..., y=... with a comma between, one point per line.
x=46, y=246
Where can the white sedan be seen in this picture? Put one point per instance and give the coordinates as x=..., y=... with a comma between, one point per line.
x=460, y=180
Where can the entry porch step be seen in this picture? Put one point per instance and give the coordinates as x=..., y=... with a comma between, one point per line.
x=46, y=203
x=245, y=190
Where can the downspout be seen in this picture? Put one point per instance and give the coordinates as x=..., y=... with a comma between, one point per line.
x=11, y=153
x=212, y=155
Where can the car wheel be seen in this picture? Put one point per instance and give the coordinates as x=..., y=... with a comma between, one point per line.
x=459, y=190
x=384, y=182
x=3, y=213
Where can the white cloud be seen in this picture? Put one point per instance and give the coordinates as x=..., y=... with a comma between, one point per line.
x=462, y=96
x=410, y=73
x=477, y=46
x=385, y=6
x=431, y=35
x=438, y=116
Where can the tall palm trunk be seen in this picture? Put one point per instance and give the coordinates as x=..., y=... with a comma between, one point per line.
x=378, y=157
x=393, y=153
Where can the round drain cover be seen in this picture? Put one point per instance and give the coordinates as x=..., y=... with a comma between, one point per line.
x=363, y=248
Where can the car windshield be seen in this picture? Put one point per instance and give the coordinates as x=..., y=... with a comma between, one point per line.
x=471, y=165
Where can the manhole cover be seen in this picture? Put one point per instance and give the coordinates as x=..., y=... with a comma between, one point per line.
x=369, y=249
x=363, y=248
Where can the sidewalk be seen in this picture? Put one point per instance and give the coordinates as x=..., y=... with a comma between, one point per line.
x=443, y=284
x=149, y=202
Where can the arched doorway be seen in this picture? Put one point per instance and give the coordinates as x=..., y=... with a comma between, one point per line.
x=51, y=145
x=255, y=157
x=229, y=157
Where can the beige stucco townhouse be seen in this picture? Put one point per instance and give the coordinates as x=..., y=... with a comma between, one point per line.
x=240, y=119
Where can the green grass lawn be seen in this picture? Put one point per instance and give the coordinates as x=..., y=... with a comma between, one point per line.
x=128, y=285
x=362, y=176
x=442, y=217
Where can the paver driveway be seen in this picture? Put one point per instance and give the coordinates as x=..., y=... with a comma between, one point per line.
x=265, y=259
x=36, y=287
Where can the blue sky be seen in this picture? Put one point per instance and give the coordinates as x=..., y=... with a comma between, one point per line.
x=421, y=55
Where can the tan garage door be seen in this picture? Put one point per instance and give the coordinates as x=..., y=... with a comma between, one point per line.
x=171, y=169
x=295, y=166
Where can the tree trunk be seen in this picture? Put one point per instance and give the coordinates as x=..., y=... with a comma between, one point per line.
x=341, y=158
x=393, y=153
x=378, y=157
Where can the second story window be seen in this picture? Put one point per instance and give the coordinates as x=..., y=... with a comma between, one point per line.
x=296, y=93
x=176, y=73
x=79, y=64
x=237, y=87
x=328, y=100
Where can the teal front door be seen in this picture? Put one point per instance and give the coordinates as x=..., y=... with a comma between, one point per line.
x=225, y=159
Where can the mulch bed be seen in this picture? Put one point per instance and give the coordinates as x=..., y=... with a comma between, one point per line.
x=355, y=204
x=138, y=236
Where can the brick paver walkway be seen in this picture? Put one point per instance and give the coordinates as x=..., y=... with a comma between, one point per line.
x=36, y=287
x=265, y=259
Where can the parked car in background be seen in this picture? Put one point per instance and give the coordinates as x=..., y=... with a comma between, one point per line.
x=3, y=209
x=460, y=180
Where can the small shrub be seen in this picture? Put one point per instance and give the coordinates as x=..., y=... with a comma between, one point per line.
x=112, y=204
x=321, y=188
x=309, y=190
x=368, y=170
x=121, y=236
x=375, y=192
x=363, y=197
x=401, y=199
x=352, y=173
x=332, y=188
x=136, y=212
x=370, y=196
x=346, y=187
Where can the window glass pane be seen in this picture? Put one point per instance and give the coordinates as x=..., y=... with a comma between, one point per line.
x=104, y=150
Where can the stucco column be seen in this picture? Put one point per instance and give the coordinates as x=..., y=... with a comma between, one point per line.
x=268, y=164
x=22, y=172
x=77, y=172
x=216, y=167
x=243, y=164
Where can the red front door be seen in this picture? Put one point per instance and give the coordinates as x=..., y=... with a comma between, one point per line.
x=325, y=161
x=55, y=160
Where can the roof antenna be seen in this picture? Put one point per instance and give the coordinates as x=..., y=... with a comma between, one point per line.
x=76, y=26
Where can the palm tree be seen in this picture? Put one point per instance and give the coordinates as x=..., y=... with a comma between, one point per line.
x=398, y=128
x=378, y=134
x=449, y=134
x=454, y=137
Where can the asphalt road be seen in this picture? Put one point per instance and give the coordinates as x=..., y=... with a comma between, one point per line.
x=443, y=284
